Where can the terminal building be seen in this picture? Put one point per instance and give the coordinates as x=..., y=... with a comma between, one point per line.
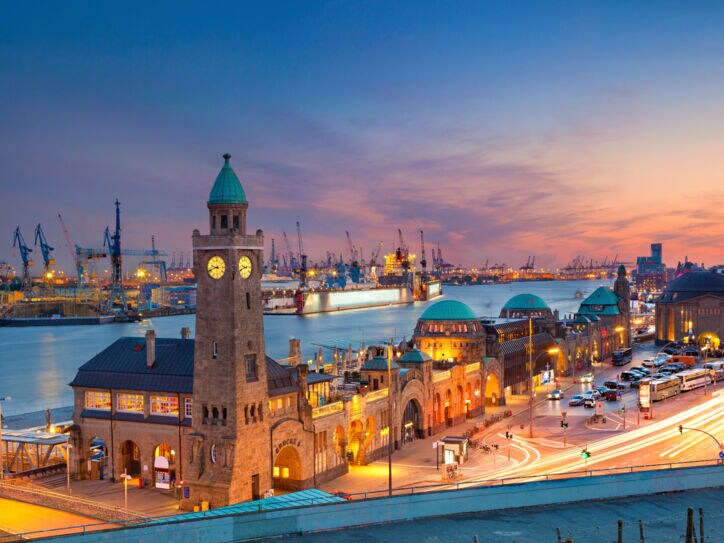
x=224, y=423
x=691, y=309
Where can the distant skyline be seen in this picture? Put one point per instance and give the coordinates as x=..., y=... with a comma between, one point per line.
x=502, y=129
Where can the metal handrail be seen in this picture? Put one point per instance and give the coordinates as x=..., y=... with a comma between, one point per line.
x=370, y=495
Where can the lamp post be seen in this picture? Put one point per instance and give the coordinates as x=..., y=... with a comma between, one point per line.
x=68, y=447
x=389, y=418
x=550, y=351
x=125, y=478
x=564, y=425
x=2, y=451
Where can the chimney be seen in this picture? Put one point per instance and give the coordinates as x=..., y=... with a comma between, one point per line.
x=150, y=348
x=185, y=332
x=295, y=354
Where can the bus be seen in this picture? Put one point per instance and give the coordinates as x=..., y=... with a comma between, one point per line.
x=664, y=388
x=621, y=357
x=694, y=378
x=716, y=369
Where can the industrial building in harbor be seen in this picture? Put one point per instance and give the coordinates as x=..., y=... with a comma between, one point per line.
x=219, y=419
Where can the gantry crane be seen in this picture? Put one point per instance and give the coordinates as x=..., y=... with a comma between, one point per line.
x=423, y=261
x=19, y=242
x=302, y=259
x=354, y=261
x=48, y=260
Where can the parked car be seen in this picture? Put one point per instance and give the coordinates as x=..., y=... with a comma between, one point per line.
x=589, y=402
x=612, y=395
x=649, y=362
x=576, y=400
x=614, y=385
x=555, y=395
x=639, y=369
x=593, y=393
x=636, y=384
x=631, y=375
x=587, y=378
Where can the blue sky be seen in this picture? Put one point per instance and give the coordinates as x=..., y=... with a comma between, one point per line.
x=503, y=129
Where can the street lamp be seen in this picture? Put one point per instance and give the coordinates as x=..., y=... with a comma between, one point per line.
x=125, y=478
x=552, y=350
x=68, y=447
x=2, y=452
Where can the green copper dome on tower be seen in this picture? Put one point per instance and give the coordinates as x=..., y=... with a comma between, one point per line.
x=227, y=189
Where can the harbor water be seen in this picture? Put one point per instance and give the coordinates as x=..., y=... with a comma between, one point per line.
x=37, y=363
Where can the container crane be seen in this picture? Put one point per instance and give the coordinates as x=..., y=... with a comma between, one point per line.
x=19, y=242
x=46, y=250
x=354, y=272
x=423, y=261
x=302, y=258
x=290, y=254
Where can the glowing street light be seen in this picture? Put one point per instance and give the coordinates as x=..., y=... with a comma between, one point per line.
x=125, y=478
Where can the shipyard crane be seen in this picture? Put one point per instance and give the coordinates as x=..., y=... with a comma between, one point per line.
x=529, y=265
x=423, y=261
x=376, y=254
x=46, y=250
x=354, y=272
x=19, y=242
x=302, y=259
x=290, y=254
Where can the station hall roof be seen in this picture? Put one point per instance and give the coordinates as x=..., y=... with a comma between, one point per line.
x=227, y=188
x=526, y=302
x=448, y=310
x=692, y=285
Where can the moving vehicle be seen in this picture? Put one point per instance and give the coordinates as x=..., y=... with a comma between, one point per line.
x=614, y=385
x=696, y=378
x=587, y=378
x=689, y=361
x=612, y=395
x=621, y=357
x=576, y=400
x=716, y=369
x=555, y=395
x=664, y=388
x=589, y=402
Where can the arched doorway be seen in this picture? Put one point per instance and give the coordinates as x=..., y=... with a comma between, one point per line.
x=448, y=408
x=98, y=458
x=370, y=430
x=708, y=341
x=287, y=471
x=164, y=466
x=492, y=389
x=355, y=446
x=130, y=458
x=338, y=441
x=412, y=422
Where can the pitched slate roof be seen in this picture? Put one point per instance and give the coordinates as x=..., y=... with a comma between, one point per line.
x=122, y=365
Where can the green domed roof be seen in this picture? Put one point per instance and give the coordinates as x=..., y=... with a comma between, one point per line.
x=448, y=310
x=227, y=189
x=415, y=356
x=379, y=363
x=526, y=302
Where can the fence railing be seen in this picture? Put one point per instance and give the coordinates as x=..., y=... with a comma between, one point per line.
x=324, y=410
x=376, y=395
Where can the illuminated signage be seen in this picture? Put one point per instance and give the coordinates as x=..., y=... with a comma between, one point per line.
x=645, y=394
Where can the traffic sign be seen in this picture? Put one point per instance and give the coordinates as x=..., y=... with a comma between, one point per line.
x=721, y=455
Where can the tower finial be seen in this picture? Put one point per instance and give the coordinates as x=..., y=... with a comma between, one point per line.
x=227, y=156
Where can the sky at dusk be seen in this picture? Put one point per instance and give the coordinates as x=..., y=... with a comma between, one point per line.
x=502, y=129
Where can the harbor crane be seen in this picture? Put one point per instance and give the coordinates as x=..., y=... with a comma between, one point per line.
x=46, y=250
x=290, y=254
x=354, y=272
x=529, y=265
x=113, y=244
x=302, y=258
x=423, y=261
x=19, y=242
x=402, y=252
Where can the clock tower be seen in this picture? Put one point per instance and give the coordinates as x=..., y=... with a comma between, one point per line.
x=227, y=459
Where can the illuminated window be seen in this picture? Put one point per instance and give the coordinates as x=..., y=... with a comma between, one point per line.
x=276, y=471
x=98, y=400
x=271, y=405
x=280, y=403
x=164, y=405
x=285, y=473
x=131, y=402
x=289, y=401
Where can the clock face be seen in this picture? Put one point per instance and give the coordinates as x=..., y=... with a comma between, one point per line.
x=216, y=267
x=245, y=267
